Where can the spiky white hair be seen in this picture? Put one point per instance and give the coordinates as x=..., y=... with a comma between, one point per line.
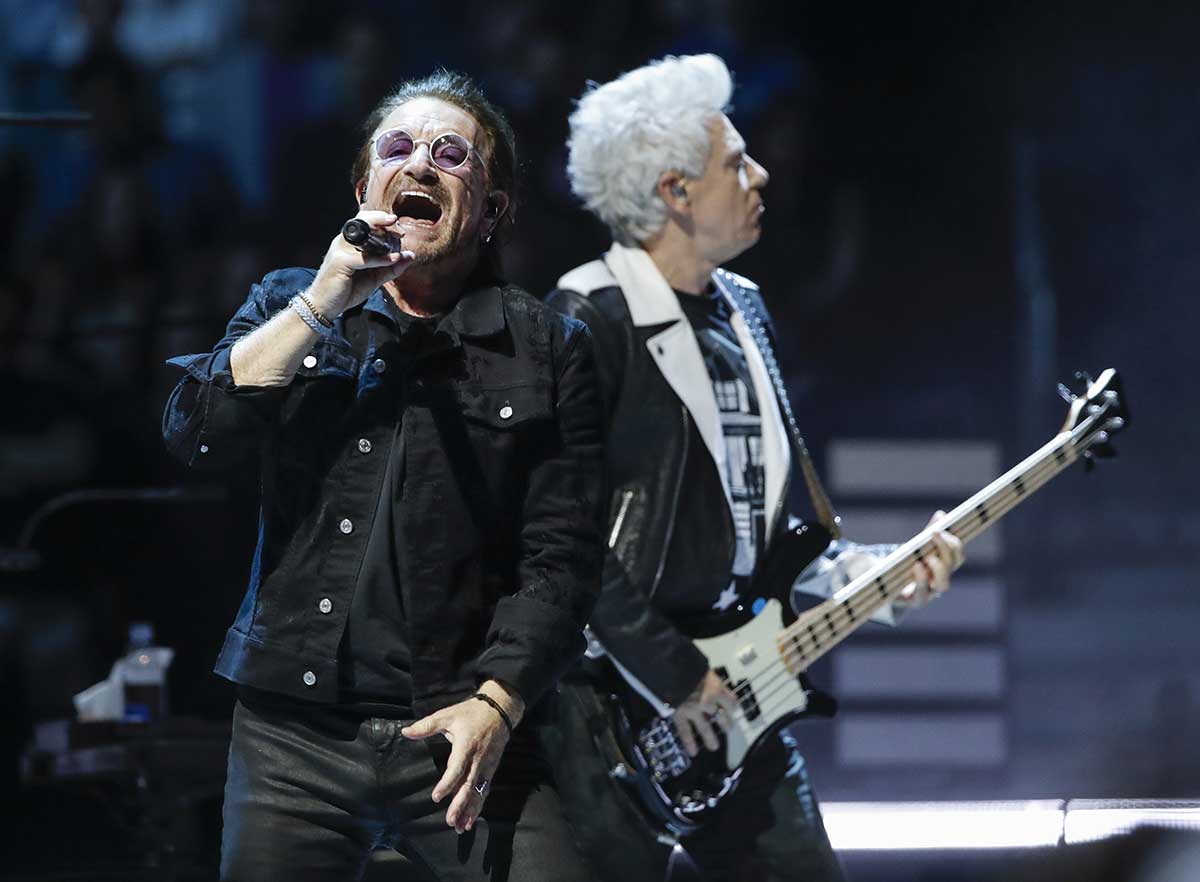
x=626, y=133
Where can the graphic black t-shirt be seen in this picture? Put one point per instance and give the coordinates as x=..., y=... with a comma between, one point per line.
x=741, y=419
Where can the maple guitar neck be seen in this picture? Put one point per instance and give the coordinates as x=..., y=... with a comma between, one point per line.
x=827, y=624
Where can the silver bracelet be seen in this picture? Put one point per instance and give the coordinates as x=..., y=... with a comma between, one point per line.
x=300, y=306
x=312, y=307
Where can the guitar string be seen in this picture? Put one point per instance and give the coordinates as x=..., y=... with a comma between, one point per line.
x=795, y=639
x=970, y=525
x=809, y=648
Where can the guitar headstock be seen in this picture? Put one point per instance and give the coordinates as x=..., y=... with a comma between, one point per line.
x=1098, y=411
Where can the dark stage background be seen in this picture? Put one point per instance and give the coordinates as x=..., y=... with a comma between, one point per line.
x=968, y=202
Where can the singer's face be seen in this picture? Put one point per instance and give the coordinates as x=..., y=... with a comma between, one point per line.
x=440, y=211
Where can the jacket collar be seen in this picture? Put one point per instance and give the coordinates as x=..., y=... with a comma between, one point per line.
x=479, y=312
x=648, y=295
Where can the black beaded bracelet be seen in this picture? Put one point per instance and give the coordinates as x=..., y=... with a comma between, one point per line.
x=487, y=699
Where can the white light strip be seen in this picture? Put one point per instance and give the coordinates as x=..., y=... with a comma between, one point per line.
x=916, y=825
x=1096, y=820
x=855, y=826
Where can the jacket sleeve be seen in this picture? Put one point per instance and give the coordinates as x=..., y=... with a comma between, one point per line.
x=209, y=421
x=537, y=633
x=841, y=564
x=651, y=651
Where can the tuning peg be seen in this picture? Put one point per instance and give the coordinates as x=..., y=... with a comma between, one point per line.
x=1084, y=378
x=1066, y=394
x=1089, y=461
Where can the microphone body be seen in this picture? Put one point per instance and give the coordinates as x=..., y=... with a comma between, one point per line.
x=358, y=233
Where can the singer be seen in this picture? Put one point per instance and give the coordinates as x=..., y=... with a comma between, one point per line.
x=430, y=446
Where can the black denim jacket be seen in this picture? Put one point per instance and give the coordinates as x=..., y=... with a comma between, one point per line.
x=502, y=427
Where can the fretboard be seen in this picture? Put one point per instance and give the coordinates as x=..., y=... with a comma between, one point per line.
x=824, y=626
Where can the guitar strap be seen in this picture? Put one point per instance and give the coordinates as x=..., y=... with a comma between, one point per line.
x=826, y=513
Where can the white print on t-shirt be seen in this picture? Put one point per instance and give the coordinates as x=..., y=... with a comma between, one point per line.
x=741, y=424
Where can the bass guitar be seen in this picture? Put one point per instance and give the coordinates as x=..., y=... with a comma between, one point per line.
x=762, y=651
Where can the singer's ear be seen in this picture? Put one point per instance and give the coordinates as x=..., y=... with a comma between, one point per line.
x=497, y=204
x=671, y=190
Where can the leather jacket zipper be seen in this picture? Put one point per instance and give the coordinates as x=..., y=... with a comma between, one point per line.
x=619, y=520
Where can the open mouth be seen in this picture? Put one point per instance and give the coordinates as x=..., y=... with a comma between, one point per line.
x=416, y=207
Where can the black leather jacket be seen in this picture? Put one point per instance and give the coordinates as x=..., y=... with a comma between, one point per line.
x=670, y=538
x=502, y=427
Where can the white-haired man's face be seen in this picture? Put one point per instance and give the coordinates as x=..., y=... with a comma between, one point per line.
x=726, y=201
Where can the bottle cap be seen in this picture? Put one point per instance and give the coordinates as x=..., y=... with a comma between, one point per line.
x=141, y=634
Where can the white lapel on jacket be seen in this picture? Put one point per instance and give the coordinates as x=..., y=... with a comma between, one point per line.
x=674, y=349
x=776, y=456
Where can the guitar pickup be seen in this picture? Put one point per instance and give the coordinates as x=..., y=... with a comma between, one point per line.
x=746, y=655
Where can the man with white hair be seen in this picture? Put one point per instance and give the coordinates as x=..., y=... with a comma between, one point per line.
x=702, y=447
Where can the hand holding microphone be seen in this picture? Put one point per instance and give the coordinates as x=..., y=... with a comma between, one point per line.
x=364, y=254
x=358, y=233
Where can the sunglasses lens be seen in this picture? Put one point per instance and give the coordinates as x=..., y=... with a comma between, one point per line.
x=394, y=146
x=449, y=151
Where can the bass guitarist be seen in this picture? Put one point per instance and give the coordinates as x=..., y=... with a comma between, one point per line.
x=702, y=448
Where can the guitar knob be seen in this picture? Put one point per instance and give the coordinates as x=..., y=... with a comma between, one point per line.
x=620, y=772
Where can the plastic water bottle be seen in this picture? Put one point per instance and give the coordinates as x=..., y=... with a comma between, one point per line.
x=143, y=673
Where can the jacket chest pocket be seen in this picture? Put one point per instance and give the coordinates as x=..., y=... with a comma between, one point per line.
x=493, y=434
x=507, y=411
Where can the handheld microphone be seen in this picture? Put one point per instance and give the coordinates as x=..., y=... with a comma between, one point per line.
x=358, y=233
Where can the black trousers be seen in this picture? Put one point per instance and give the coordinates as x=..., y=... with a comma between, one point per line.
x=769, y=830
x=311, y=792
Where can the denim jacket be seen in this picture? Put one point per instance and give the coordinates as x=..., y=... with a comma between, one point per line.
x=503, y=455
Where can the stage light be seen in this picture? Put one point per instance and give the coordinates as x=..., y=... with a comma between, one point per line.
x=884, y=826
x=1091, y=819
x=919, y=825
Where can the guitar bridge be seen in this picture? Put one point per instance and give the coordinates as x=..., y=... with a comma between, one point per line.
x=663, y=753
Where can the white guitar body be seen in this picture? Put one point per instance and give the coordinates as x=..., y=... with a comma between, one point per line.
x=749, y=655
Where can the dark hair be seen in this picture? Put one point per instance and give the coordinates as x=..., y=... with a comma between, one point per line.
x=500, y=144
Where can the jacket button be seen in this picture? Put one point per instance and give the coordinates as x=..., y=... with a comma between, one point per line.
x=505, y=412
x=379, y=365
x=325, y=606
x=364, y=445
x=310, y=361
x=309, y=678
x=346, y=525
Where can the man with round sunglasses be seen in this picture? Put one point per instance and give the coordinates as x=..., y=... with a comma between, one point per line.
x=429, y=440
x=701, y=450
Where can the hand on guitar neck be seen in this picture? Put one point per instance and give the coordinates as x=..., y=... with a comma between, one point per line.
x=931, y=576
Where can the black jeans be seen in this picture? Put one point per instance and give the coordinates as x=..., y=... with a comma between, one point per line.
x=311, y=792
x=770, y=830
